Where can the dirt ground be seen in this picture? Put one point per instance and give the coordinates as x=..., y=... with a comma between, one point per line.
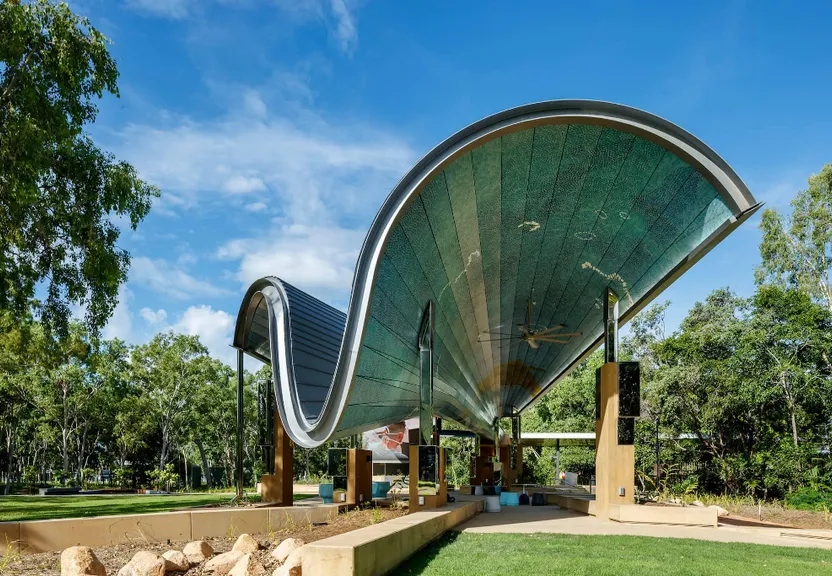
x=114, y=557
x=772, y=516
x=784, y=517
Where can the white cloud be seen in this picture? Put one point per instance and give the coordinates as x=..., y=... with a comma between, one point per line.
x=318, y=259
x=154, y=317
x=244, y=185
x=320, y=183
x=345, y=30
x=254, y=105
x=214, y=328
x=311, y=168
x=167, y=279
x=120, y=324
x=256, y=207
x=335, y=14
x=165, y=8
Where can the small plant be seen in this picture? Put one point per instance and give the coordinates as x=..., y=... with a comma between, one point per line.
x=10, y=556
x=377, y=515
x=60, y=476
x=270, y=529
x=123, y=477
x=87, y=474
x=166, y=478
x=289, y=525
x=30, y=477
x=685, y=488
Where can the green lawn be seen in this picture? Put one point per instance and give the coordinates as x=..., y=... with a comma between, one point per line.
x=564, y=555
x=47, y=507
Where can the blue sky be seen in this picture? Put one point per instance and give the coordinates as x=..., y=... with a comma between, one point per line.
x=275, y=128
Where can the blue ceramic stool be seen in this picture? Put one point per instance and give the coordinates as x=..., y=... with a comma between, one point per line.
x=512, y=498
x=325, y=492
x=380, y=489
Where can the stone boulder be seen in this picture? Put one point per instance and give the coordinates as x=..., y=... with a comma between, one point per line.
x=144, y=563
x=246, y=544
x=81, y=561
x=222, y=564
x=720, y=511
x=176, y=561
x=293, y=566
x=248, y=565
x=285, y=548
x=197, y=551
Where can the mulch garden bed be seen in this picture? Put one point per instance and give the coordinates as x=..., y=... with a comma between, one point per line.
x=772, y=517
x=114, y=557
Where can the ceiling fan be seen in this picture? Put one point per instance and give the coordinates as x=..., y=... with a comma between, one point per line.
x=532, y=337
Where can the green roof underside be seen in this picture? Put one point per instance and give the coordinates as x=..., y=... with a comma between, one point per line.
x=550, y=215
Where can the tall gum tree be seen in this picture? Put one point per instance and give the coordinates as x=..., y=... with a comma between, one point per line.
x=797, y=250
x=59, y=193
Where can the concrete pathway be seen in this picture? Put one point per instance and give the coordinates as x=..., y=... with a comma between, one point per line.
x=549, y=519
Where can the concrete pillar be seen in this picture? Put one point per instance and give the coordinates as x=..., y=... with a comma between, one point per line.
x=614, y=463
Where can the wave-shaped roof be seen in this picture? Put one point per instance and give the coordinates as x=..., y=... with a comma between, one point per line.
x=512, y=227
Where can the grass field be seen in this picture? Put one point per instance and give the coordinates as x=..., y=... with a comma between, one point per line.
x=457, y=554
x=48, y=507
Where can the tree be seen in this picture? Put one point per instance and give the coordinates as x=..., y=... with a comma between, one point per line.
x=704, y=387
x=67, y=389
x=568, y=407
x=20, y=351
x=59, y=193
x=212, y=427
x=797, y=251
x=167, y=370
x=791, y=337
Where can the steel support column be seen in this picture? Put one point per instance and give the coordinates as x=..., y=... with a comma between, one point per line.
x=426, y=378
x=515, y=442
x=610, y=326
x=240, y=425
x=557, y=461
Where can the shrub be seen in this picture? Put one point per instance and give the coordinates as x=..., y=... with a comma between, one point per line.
x=30, y=477
x=167, y=478
x=809, y=499
x=123, y=477
x=87, y=474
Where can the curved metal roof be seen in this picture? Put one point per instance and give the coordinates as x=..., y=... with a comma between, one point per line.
x=523, y=218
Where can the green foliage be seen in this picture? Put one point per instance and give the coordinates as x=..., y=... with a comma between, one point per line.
x=568, y=407
x=30, y=476
x=377, y=515
x=61, y=475
x=459, y=454
x=797, y=250
x=123, y=477
x=59, y=193
x=748, y=381
x=807, y=498
x=163, y=479
x=87, y=474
